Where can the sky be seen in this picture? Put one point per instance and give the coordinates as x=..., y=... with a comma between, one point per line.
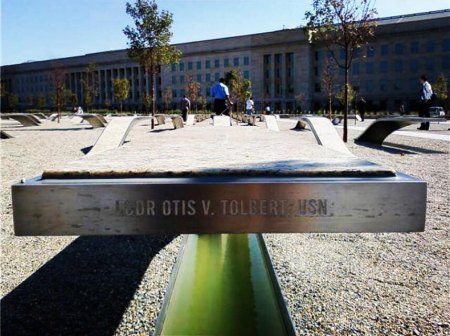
x=35, y=30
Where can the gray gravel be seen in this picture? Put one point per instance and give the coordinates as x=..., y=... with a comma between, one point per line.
x=334, y=284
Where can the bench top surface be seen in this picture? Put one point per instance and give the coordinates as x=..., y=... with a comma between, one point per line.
x=215, y=151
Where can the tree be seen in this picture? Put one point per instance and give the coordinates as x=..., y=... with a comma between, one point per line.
x=441, y=90
x=90, y=85
x=121, y=88
x=300, y=99
x=167, y=96
x=328, y=81
x=201, y=102
x=192, y=89
x=240, y=89
x=13, y=101
x=40, y=102
x=58, y=81
x=351, y=95
x=149, y=40
x=344, y=23
x=71, y=98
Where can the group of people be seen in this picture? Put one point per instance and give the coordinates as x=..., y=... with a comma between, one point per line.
x=223, y=103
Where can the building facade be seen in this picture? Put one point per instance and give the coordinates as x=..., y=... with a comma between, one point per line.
x=285, y=69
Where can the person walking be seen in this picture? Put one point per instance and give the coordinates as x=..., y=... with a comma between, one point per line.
x=185, y=106
x=221, y=95
x=362, y=108
x=425, y=102
x=249, y=105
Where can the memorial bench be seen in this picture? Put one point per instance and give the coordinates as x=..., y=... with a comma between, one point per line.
x=23, y=118
x=221, y=193
x=95, y=120
x=381, y=128
x=4, y=135
x=115, y=133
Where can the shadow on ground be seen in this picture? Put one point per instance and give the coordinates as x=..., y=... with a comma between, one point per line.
x=395, y=148
x=84, y=290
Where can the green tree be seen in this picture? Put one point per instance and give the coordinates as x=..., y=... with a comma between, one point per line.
x=90, y=85
x=13, y=101
x=349, y=98
x=149, y=40
x=441, y=90
x=346, y=24
x=40, y=102
x=121, y=88
x=167, y=96
x=71, y=98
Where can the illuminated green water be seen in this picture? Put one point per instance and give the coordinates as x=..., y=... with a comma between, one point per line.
x=223, y=287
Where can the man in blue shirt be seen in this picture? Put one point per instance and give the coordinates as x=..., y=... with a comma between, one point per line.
x=221, y=95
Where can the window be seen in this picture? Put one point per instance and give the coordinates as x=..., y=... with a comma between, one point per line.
x=399, y=48
x=208, y=77
x=199, y=65
x=246, y=74
x=370, y=52
x=398, y=66
x=189, y=65
x=430, y=46
x=216, y=63
x=384, y=66
x=174, y=80
x=316, y=56
x=317, y=87
x=181, y=79
x=316, y=71
x=236, y=61
x=226, y=62
x=384, y=49
x=429, y=64
x=398, y=85
x=208, y=64
x=174, y=93
x=369, y=68
x=216, y=76
x=413, y=65
x=199, y=78
x=446, y=62
x=246, y=60
x=369, y=86
x=181, y=66
x=446, y=44
x=414, y=47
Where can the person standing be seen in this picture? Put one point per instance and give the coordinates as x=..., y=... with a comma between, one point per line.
x=185, y=106
x=425, y=102
x=362, y=108
x=221, y=95
x=249, y=105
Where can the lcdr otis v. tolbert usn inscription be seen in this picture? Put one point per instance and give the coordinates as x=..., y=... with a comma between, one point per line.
x=226, y=207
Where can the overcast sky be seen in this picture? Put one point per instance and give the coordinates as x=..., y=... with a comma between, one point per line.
x=45, y=29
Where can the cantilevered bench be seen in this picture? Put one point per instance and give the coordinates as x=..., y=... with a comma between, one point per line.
x=23, y=118
x=214, y=189
x=4, y=135
x=381, y=128
x=271, y=123
x=115, y=133
x=95, y=120
x=325, y=134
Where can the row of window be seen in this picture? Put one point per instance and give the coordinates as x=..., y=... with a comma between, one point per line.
x=396, y=66
x=208, y=64
x=400, y=48
x=182, y=79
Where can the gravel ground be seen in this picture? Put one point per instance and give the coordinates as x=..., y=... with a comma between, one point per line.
x=334, y=284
